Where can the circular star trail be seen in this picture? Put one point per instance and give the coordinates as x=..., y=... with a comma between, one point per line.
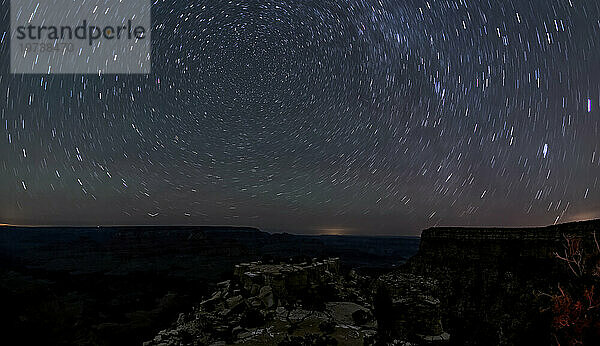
x=372, y=117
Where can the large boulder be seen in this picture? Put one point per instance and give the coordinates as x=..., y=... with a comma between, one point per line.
x=266, y=296
x=348, y=313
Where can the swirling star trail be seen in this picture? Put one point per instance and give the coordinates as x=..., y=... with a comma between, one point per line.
x=376, y=117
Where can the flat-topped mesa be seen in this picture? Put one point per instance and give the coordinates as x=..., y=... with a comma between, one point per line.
x=288, y=281
x=490, y=278
x=550, y=233
x=495, y=244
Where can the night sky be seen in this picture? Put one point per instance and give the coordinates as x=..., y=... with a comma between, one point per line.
x=348, y=117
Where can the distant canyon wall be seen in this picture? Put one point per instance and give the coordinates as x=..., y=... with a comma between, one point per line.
x=491, y=279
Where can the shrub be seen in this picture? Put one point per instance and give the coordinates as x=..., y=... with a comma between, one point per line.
x=576, y=305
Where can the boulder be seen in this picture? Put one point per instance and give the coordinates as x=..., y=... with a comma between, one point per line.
x=343, y=312
x=266, y=296
x=234, y=302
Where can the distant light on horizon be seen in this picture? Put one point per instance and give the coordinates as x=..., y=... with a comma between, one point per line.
x=334, y=231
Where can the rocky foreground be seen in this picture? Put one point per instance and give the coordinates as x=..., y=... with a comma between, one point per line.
x=465, y=286
x=311, y=304
x=104, y=286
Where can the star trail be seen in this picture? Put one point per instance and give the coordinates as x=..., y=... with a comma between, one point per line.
x=365, y=117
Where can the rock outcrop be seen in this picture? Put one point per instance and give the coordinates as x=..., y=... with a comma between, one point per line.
x=286, y=304
x=492, y=281
x=286, y=283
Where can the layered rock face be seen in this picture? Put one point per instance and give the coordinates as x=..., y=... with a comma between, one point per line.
x=491, y=281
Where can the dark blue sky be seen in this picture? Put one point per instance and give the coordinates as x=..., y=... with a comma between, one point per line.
x=372, y=117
